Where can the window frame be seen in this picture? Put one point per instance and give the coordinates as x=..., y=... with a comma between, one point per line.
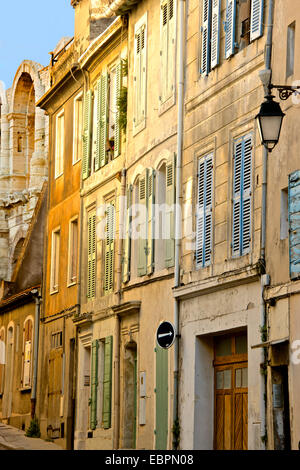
x=70, y=248
x=28, y=386
x=78, y=97
x=55, y=231
x=59, y=116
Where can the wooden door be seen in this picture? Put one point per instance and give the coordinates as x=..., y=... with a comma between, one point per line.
x=55, y=390
x=231, y=396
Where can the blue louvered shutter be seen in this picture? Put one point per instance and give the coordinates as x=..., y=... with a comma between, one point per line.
x=230, y=28
x=204, y=212
x=256, y=24
x=215, y=33
x=205, y=29
x=241, y=230
x=294, y=224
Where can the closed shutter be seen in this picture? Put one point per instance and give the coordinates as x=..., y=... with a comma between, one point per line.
x=170, y=213
x=257, y=12
x=171, y=46
x=215, y=33
x=294, y=224
x=164, y=49
x=107, y=382
x=230, y=28
x=127, y=241
x=94, y=385
x=86, y=146
x=242, y=183
x=143, y=72
x=102, y=102
x=205, y=48
x=142, y=239
x=117, y=142
x=109, y=249
x=137, y=78
x=27, y=364
x=91, y=281
x=204, y=212
x=151, y=220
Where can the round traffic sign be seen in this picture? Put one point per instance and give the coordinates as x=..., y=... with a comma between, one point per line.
x=165, y=335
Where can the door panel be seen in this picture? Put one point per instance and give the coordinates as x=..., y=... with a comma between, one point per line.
x=161, y=398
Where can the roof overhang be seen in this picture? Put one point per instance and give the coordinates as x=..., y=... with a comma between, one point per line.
x=120, y=7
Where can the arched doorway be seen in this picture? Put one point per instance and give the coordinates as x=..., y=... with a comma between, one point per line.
x=130, y=395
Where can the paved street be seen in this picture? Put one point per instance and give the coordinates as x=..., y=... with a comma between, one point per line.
x=15, y=439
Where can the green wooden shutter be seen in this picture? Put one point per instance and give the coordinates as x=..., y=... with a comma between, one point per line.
x=142, y=240
x=117, y=142
x=94, y=385
x=247, y=186
x=171, y=47
x=107, y=382
x=102, y=116
x=109, y=249
x=161, y=434
x=127, y=241
x=170, y=212
x=86, y=144
x=151, y=220
x=91, y=281
x=164, y=50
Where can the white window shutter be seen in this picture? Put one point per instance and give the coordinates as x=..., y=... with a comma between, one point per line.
x=205, y=51
x=171, y=46
x=164, y=50
x=143, y=72
x=230, y=28
x=27, y=364
x=215, y=33
x=257, y=11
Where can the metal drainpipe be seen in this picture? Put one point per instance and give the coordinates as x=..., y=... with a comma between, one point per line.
x=37, y=297
x=265, y=278
x=116, y=430
x=181, y=22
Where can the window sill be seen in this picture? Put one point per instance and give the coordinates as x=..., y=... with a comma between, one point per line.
x=25, y=389
x=58, y=176
x=163, y=107
x=157, y=275
x=77, y=161
x=71, y=284
x=139, y=128
x=54, y=292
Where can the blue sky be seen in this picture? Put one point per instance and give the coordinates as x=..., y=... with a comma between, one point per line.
x=30, y=30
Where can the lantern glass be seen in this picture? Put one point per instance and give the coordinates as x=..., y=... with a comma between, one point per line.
x=269, y=121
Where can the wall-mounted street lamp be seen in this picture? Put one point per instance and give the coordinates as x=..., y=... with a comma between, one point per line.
x=270, y=117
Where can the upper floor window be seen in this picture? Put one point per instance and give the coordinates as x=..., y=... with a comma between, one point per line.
x=102, y=121
x=167, y=51
x=140, y=74
x=242, y=186
x=109, y=247
x=59, y=145
x=55, y=249
x=243, y=24
x=77, y=132
x=73, y=251
x=204, y=211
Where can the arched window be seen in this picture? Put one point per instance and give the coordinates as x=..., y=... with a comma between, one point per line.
x=2, y=359
x=27, y=353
